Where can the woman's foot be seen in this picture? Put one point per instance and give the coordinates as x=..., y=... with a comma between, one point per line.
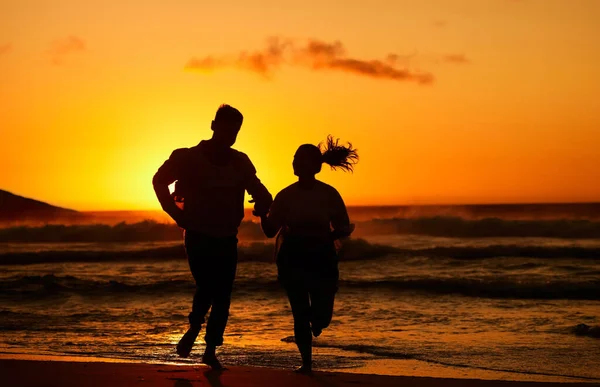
x=184, y=347
x=305, y=347
x=303, y=370
x=316, y=331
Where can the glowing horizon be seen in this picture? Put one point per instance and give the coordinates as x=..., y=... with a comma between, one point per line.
x=448, y=102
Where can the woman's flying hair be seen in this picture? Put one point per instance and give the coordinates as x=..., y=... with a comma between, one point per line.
x=338, y=156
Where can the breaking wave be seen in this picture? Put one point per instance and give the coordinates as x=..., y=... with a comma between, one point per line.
x=352, y=250
x=52, y=285
x=441, y=226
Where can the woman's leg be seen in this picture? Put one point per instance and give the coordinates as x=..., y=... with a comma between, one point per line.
x=300, y=304
x=322, y=297
x=322, y=294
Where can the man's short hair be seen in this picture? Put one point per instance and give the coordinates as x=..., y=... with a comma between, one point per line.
x=227, y=113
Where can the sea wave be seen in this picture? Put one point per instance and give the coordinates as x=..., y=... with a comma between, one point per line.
x=586, y=330
x=456, y=227
x=353, y=249
x=145, y=231
x=479, y=287
x=390, y=353
x=52, y=285
x=441, y=226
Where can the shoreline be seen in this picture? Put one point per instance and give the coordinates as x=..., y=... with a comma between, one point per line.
x=24, y=373
x=20, y=369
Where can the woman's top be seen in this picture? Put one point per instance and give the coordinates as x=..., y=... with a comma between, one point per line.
x=309, y=212
x=306, y=216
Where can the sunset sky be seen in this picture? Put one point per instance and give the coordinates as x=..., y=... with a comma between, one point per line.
x=448, y=101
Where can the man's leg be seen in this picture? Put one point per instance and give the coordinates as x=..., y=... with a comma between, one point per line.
x=196, y=247
x=223, y=277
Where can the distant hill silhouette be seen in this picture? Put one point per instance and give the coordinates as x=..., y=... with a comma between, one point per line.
x=17, y=209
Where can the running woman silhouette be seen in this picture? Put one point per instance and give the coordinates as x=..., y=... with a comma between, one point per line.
x=309, y=216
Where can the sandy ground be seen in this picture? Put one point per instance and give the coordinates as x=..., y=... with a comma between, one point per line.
x=23, y=373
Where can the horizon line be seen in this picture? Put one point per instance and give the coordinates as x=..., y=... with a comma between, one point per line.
x=401, y=205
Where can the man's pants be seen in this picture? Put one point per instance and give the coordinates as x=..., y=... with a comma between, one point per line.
x=213, y=262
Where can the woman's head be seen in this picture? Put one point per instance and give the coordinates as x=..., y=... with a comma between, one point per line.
x=307, y=161
x=309, y=158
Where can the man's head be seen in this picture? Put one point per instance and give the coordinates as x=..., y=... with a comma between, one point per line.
x=226, y=125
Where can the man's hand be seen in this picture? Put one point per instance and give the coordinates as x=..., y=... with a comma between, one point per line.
x=261, y=209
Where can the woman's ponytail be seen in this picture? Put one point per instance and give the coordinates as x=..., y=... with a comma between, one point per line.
x=338, y=156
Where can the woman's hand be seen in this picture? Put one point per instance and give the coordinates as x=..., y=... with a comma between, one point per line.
x=268, y=227
x=343, y=232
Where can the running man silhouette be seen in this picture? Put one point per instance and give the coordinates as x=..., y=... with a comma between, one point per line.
x=310, y=216
x=211, y=178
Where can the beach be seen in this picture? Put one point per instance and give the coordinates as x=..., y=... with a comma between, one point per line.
x=467, y=298
x=25, y=373
x=388, y=193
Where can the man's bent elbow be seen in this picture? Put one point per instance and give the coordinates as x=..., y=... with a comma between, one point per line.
x=157, y=182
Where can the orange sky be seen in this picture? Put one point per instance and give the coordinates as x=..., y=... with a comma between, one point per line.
x=96, y=94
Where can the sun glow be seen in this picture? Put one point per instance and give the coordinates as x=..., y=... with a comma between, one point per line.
x=94, y=104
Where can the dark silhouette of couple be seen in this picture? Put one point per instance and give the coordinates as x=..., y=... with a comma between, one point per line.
x=307, y=217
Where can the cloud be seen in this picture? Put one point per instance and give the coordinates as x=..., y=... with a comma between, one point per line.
x=455, y=59
x=5, y=48
x=262, y=62
x=312, y=54
x=440, y=23
x=60, y=48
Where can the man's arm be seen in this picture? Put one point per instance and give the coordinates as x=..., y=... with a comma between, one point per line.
x=261, y=197
x=166, y=175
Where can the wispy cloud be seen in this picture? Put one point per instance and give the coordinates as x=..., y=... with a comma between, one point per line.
x=60, y=48
x=5, y=48
x=313, y=54
x=455, y=59
x=440, y=23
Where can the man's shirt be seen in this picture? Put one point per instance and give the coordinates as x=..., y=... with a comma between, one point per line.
x=213, y=193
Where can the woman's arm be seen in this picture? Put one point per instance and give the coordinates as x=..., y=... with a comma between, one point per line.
x=340, y=222
x=342, y=232
x=268, y=226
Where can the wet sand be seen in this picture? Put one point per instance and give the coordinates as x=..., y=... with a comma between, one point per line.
x=21, y=373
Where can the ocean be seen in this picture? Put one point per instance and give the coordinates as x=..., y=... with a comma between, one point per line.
x=506, y=292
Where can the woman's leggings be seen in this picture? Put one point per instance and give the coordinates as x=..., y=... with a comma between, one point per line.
x=312, y=306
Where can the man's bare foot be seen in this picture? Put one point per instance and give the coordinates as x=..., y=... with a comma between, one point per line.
x=210, y=359
x=184, y=347
x=303, y=370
